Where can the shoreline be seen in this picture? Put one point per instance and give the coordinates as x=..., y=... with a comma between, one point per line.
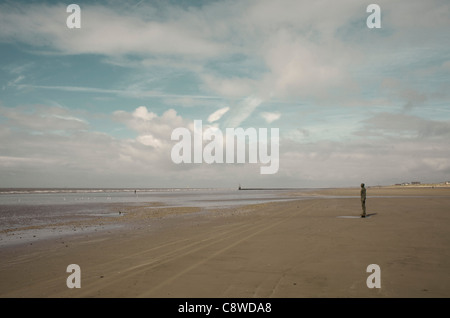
x=297, y=248
x=119, y=214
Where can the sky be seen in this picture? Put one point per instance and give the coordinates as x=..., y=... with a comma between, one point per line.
x=95, y=106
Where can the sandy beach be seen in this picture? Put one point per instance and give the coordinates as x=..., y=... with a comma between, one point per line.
x=293, y=249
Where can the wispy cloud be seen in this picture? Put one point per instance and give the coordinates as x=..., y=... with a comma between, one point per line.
x=118, y=92
x=242, y=110
x=218, y=114
x=270, y=117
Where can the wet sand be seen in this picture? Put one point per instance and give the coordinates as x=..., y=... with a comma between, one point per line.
x=299, y=248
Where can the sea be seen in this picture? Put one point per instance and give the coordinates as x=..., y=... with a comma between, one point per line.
x=24, y=208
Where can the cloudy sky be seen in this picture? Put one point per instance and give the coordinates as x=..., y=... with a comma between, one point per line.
x=96, y=106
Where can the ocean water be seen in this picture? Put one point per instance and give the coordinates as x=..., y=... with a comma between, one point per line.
x=20, y=208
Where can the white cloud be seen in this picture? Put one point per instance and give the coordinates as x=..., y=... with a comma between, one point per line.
x=142, y=113
x=90, y=158
x=218, y=114
x=33, y=154
x=134, y=32
x=149, y=140
x=261, y=31
x=152, y=130
x=270, y=117
x=300, y=46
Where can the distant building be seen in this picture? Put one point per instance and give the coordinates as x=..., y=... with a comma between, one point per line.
x=447, y=182
x=415, y=182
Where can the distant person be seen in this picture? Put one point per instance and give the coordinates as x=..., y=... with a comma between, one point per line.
x=363, y=200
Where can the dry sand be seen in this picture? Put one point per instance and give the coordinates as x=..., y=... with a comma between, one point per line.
x=300, y=248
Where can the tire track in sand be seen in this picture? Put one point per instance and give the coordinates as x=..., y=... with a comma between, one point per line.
x=172, y=256
x=254, y=229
